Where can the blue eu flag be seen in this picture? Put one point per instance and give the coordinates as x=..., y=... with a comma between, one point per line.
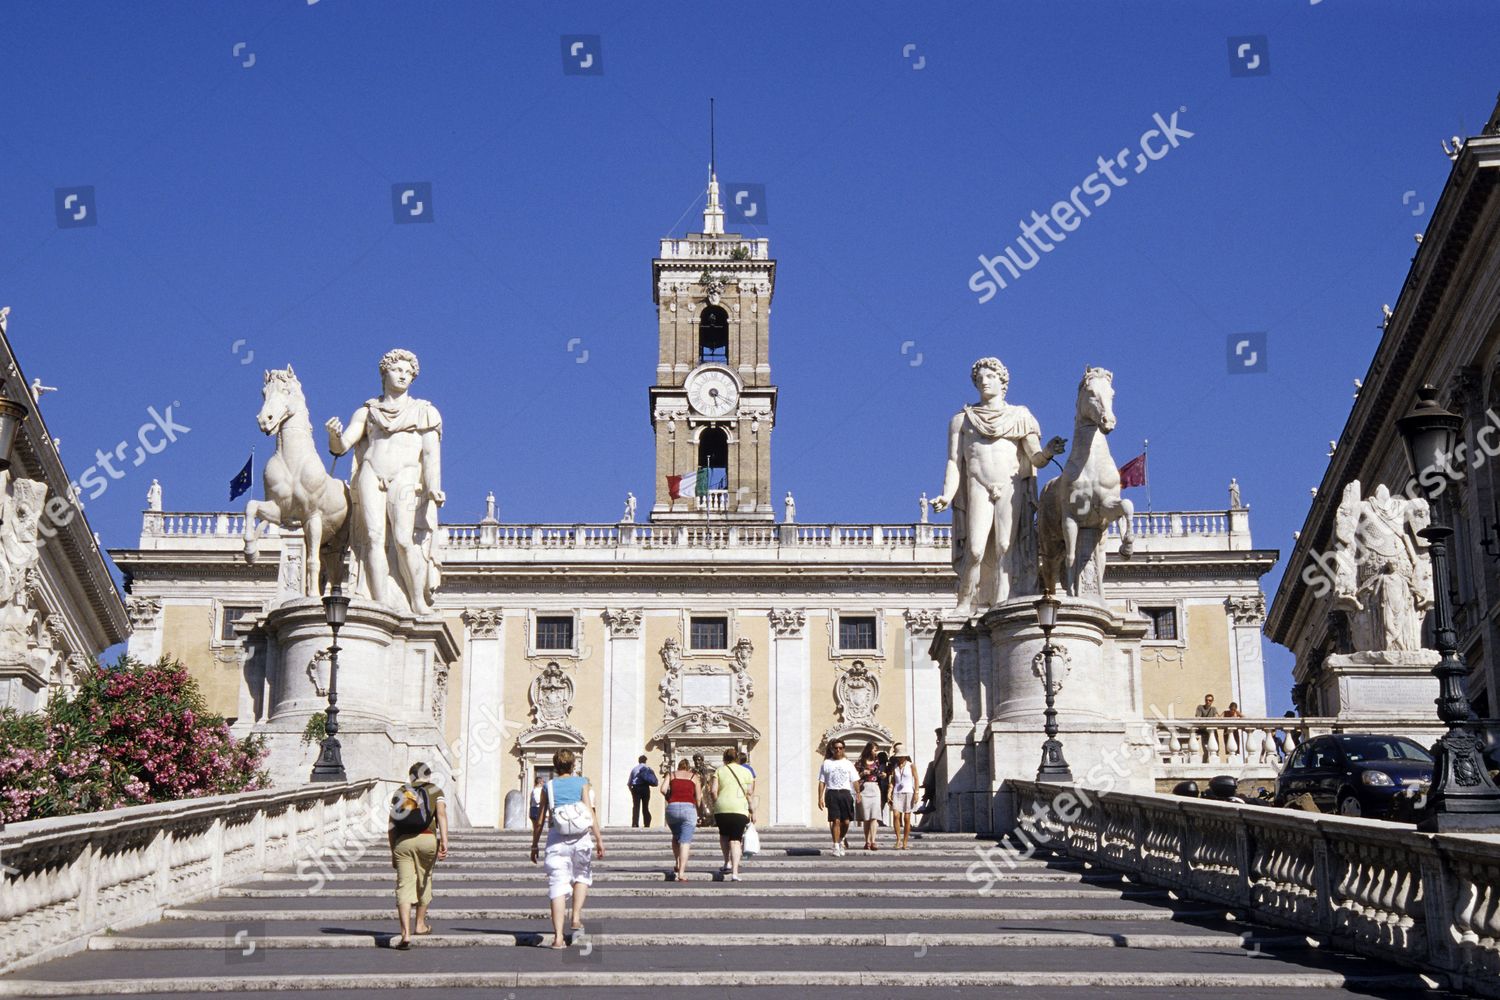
x=240, y=484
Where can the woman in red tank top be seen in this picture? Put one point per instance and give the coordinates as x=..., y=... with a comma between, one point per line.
x=683, y=793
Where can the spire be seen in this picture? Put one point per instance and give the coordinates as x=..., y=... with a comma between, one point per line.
x=713, y=215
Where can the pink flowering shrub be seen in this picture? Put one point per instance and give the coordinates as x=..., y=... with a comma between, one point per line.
x=131, y=733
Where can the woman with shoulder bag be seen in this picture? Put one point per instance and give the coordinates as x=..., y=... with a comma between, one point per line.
x=572, y=839
x=730, y=790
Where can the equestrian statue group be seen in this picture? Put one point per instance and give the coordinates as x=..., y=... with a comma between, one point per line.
x=385, y=515
x=1007, y=542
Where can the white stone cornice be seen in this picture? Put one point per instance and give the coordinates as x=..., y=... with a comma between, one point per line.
x=788, y=623
x=1247, y=610
x=624, y=623
x=922, y=621
x=484, y=623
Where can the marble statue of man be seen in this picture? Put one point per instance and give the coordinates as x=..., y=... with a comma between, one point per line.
x=395, y=488
x=1383, y=578
x=994, y=450
x=629, y=517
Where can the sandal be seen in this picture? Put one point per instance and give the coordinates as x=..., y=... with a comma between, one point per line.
x=403, y=944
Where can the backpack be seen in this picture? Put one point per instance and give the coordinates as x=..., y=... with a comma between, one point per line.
x=571, y=820
x=411, y=809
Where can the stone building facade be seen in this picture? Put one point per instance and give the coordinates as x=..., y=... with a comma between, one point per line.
x=1443, y=330
x=713, y=624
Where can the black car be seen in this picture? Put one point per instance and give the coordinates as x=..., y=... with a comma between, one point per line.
x=1358, y=774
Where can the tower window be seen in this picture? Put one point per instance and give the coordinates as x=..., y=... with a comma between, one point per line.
x=713, y=455
x=713, y=335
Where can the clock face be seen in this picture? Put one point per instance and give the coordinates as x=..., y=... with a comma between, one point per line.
x=713, y=392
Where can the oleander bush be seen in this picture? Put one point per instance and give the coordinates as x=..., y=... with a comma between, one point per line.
x=128, y=734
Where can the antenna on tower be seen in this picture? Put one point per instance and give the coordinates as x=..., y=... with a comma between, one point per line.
x=712, y=157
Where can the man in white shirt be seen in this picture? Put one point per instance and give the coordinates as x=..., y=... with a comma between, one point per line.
x=836, y=780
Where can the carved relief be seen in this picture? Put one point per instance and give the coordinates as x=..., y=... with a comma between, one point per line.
x=788, y=623
x=699, y=688
x=440, y=694
x=484, y=623
x=552, y=696
x=143, y=612
x=624, y=623
x=317, y=672
x=1247, y=610
x=857, y=693
x=1062, y=666
x=922, y=621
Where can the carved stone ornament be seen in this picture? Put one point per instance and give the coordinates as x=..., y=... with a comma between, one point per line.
x=1062, y=666
x=788, y=623
x=922, y=621
x=699, y=688
x=1381, y=572
x=552, y=696
x=317, y=672
x=484, y=623
x=624, y=623
x=440, y=694
x=857, y=692
x=143, y=612
x=1249, y=610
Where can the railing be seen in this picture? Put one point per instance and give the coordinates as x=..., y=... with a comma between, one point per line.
x=714, y=501
x=711, y=248
x=1428, y=901
x=1252, y=743
x=69, y=878
x=1178, y=523
x=195, y=523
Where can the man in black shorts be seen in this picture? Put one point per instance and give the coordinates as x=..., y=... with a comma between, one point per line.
x=836, y=781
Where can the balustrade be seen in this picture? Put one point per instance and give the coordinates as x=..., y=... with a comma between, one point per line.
x=1427, y=901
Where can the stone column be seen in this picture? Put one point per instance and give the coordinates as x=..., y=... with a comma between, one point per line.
x=963, y=773
x=484, y=736
x=793, y=783
x=624, y=712
x=924, y=694
x=1247, y=668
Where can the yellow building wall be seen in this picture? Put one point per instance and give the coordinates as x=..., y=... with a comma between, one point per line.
x=186, y=633
x=1174, y=679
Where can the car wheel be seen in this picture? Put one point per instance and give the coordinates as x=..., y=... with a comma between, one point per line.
x=1349, y=805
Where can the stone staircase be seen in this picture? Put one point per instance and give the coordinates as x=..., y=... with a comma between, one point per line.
x=891, y=923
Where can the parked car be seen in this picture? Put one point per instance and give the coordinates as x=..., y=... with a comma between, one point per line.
x=1358, y=774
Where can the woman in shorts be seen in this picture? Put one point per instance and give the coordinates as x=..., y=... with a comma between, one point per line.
x=569, y=860
x=731, y=788
x=903, y=783
x=683, y=791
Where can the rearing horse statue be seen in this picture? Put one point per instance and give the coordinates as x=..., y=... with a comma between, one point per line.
x=299, y=491
x=1081, y=503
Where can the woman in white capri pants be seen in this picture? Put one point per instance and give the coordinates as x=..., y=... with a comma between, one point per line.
x=569, y=857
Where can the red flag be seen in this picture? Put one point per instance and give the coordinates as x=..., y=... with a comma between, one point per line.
x=1133, y=472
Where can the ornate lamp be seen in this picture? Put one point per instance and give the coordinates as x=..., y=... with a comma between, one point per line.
x=11, y=415
x=1054, y=767
x=1462, y=795
x=330, y=764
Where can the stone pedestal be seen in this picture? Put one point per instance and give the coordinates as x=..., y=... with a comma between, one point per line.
x=392, y=684
x=993, y=702
x=1388, y=683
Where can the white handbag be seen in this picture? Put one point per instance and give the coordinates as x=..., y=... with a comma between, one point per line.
x=752, y=840
x=571, y=820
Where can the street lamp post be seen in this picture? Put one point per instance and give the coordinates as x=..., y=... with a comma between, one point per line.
x=1054, y=766
x=1462, y=796
x=330, y=765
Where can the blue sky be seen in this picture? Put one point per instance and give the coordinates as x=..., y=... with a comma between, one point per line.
x=252, y=204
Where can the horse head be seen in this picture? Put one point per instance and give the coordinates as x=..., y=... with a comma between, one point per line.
x=281, y=398
x=1096, y=399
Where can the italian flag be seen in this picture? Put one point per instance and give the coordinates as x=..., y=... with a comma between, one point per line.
x=688, y=484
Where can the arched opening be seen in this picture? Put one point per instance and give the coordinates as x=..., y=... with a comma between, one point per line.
x=713, y=455
x=713, y=335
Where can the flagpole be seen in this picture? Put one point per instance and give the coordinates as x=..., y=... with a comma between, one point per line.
x=1146, y=470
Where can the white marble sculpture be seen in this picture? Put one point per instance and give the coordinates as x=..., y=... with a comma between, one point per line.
x=1382, y=577
x=21, y=505
x=298, y=490
x=1078, y=506
x=923, y=504
x=552, y=696
x=629, y=516
x=994, y=450
x=791, y=508
x=153, y=496
x=395, y=489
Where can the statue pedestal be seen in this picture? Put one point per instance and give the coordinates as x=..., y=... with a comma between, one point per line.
x=1379, y=683
x=993, y=702
x=392, y=689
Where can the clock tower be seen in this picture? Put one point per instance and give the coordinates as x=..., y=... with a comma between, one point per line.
x=713, y=405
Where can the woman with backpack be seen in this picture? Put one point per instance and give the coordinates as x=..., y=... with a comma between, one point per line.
x=419, y=839
x=573, y=838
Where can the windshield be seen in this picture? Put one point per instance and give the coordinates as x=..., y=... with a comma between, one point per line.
x=1372, y=749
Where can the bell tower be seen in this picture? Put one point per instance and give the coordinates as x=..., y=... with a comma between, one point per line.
x=713, y=405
